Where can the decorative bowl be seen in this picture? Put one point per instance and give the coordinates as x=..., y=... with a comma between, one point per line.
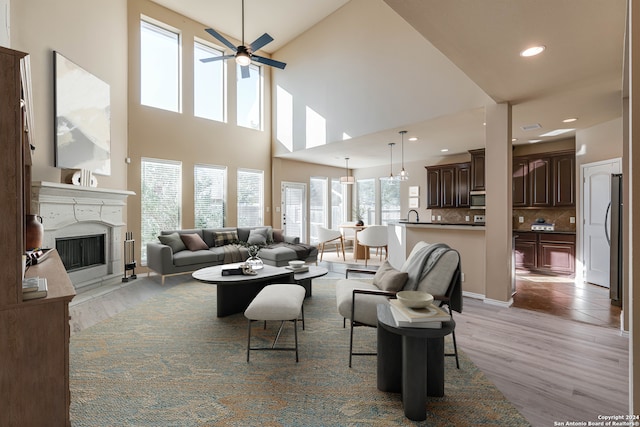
x=296, y=264
x=414, y=299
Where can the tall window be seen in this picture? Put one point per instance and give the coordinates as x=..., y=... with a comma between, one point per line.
x=389, y=199
x=210, y=187
x=317, y=206
x=159, y=66
x=161, y=183
x=338, y=203
x=250, y=198
x=208, y=83
x=366, y=202
x=250, y=98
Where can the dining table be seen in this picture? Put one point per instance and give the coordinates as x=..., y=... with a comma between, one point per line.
x=359, y=251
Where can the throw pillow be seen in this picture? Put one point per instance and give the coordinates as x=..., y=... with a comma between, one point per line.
x=278, y=235
x=172, y=240
x=193, y=242
x=225, y=237
x=257, y=236
x=389, y=279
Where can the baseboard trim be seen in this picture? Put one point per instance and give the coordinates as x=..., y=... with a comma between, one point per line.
x=505, y=304
x=472, y=295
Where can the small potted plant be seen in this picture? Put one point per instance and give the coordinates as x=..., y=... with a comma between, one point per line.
x=359, y=214
x=253, y=260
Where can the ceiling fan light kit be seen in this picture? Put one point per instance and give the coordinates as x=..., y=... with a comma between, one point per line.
x=243, y=53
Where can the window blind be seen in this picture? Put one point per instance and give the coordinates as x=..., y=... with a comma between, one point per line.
x=389, y=199
x=210, y=188
x=161, y=183
x=250, y=198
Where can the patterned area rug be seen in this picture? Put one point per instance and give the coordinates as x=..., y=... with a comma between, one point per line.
x=171, y=362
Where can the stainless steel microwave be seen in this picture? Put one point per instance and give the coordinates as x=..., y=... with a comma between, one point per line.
x=477, y=199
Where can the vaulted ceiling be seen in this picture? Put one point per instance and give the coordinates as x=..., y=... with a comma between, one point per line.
x=580, y=73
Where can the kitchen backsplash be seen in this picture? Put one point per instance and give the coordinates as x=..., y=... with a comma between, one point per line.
x=559, y=216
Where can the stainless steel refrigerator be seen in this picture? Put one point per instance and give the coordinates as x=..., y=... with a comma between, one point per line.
x=614, y=238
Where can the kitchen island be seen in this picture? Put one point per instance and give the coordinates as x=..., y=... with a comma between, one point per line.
x=468, y=240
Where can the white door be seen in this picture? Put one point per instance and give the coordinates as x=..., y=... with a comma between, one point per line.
x=596, y=179
x=294, y=212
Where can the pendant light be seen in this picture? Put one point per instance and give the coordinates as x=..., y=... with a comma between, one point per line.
x=347, y=179
x=391, y=144
x=404, y=175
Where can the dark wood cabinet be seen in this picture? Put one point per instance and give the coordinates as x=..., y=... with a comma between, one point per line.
x=34, y=336
x=520, y=185
x=540, y=182
x=448, y=190
x=477, y=170
x=551, y=253
x=463, y=179
x=448, y=185
x=564, y=184
x=433, y=187
x=546, y=180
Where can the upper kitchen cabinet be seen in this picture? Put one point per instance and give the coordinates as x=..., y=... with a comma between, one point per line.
x=564, y=171
x=477, y=170
x=544, y=180
x=448, y=185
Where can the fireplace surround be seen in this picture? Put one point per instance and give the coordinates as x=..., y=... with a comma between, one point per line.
x=72, y=212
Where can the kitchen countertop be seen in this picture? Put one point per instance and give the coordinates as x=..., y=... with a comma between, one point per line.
x=463, y=226
x=545, y=232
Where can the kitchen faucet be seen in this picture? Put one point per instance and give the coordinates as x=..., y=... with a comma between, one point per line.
x=417, y=216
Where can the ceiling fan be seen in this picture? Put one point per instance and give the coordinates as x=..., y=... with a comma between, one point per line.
x=243, y=53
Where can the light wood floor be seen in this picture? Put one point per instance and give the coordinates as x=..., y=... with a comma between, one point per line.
x=552, y=366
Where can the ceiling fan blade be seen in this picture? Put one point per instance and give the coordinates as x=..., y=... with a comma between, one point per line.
x=216, y=58
x=220, y=38
x=261, y=41
x=270, y=62
x=245, y=72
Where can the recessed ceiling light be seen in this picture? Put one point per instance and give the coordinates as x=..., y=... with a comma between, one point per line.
x=532, y=126
x=413, y=138
x=444, y=150
x=514, y=139
x=532, y=51
x=533, y=141
x=557, y=132
x=570, y=119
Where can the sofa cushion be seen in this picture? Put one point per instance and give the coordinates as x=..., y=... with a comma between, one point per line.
x=258, y=236
x=278, y=235
x=389, y=279
x=174, y=241
x=193, y=242
x=186, y=258
x=225, y=237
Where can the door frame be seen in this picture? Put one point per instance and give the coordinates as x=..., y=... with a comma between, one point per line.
x=304, y=210
x=581, y=274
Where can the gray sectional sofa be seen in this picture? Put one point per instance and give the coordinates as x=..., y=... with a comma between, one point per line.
x=184, y=251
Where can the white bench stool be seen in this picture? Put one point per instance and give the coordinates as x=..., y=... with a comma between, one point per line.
x=277, y=302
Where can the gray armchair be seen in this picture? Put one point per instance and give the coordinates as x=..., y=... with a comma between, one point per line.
x=433, y=268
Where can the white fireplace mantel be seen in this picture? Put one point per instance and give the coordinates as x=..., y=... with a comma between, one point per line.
x=72, y=210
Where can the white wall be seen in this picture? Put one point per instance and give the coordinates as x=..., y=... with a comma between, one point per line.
x=5, y=23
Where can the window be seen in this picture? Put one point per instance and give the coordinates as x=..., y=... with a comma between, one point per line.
x=161, y=183
x=338, y=203
x=210, y=188
x=366, y=203
x=250, y=198
x=317, y=206
x=208, y=83
x=159, y=67
x=250, y=98
x=389, y=200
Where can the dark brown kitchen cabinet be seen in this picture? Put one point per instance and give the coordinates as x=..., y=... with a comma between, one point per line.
x=448, y=185
x=477, y=170
x=550, y=253
x=463, y=178
x=540, y=182
x=544, y=180
x=433, y=188
x=520, y=185
x=564, y=172
x=448, y=191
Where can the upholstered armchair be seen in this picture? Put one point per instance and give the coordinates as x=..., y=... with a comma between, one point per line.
x=433, y=268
